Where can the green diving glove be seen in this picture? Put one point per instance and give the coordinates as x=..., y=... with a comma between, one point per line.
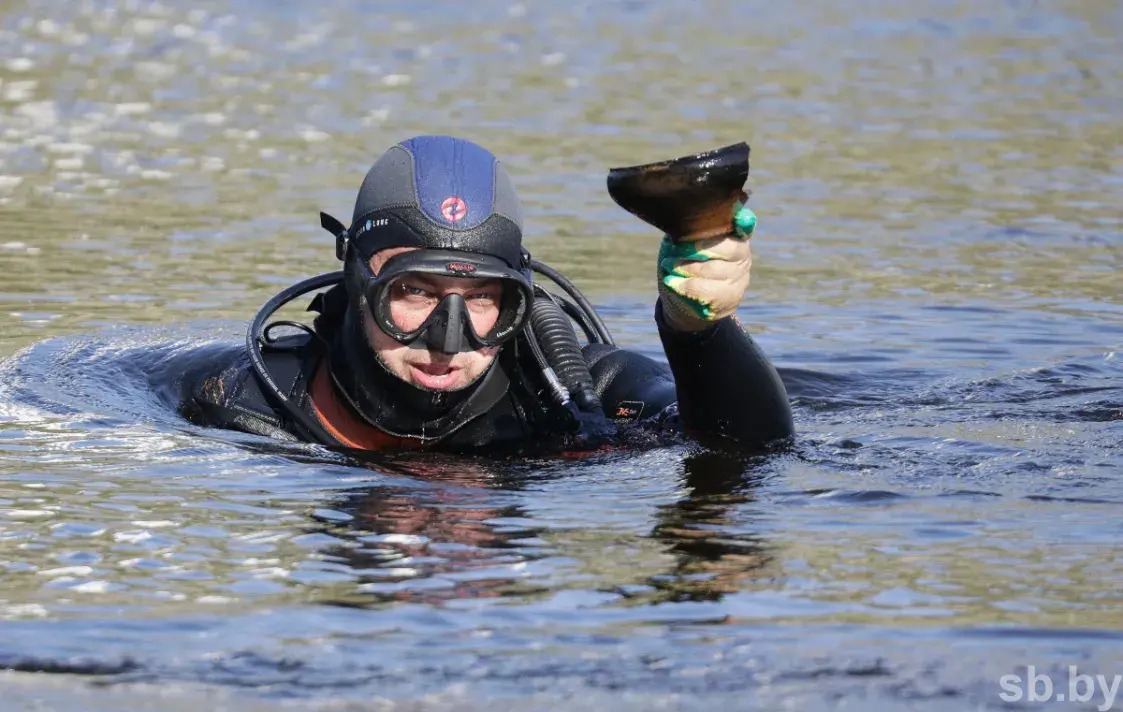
x=704, y=281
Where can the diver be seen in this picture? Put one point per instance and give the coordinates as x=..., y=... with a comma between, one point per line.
x=436, y=333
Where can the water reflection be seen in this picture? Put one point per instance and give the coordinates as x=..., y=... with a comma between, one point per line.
x=714, y=553
x=453, y=528
x=445, y=535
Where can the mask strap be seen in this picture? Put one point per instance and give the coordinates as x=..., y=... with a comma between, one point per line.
x=342, y=237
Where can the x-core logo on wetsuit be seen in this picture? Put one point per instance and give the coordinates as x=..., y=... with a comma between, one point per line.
x=628, y=410
x=454, y=209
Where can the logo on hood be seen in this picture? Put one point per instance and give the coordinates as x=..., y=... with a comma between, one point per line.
x=454, y=209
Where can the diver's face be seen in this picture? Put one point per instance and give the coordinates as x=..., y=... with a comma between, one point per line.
x=412, y=300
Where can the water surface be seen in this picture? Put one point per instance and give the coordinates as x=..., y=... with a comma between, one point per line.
x=936, y=274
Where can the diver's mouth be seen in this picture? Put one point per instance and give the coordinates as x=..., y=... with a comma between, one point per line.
x=435, y=376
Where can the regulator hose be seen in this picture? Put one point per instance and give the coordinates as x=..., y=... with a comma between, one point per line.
x=590, y=316
x=551, y=325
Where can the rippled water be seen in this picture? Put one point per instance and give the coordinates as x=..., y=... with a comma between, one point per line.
x=936, y=273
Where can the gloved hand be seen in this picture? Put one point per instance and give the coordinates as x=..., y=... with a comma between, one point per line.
x=704, y=281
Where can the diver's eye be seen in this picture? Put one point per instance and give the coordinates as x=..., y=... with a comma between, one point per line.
x=412, y=291
x=482, y=301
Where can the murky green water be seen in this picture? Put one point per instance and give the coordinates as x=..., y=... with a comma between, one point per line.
x=940, y=189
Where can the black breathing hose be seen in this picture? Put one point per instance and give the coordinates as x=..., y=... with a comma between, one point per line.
x=578, y=316
x=258, y=335
x=571, y=289
x=559, y=344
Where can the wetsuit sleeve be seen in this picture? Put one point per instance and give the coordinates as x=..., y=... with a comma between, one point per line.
x=717, y=383
x=726, y=386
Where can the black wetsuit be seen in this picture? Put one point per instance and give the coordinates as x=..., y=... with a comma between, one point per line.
x=718, y=385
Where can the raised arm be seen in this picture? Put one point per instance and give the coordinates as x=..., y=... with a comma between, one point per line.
x=723, y=385
x=726, y=386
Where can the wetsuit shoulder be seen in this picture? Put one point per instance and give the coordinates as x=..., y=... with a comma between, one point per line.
x=631, y=386
x=228, y=395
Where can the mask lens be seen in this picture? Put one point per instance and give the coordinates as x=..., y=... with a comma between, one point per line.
x=414, y=297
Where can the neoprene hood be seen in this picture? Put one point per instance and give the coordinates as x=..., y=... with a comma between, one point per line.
x=442, y=193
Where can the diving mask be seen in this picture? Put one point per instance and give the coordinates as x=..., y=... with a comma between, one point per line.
x=405, y=299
